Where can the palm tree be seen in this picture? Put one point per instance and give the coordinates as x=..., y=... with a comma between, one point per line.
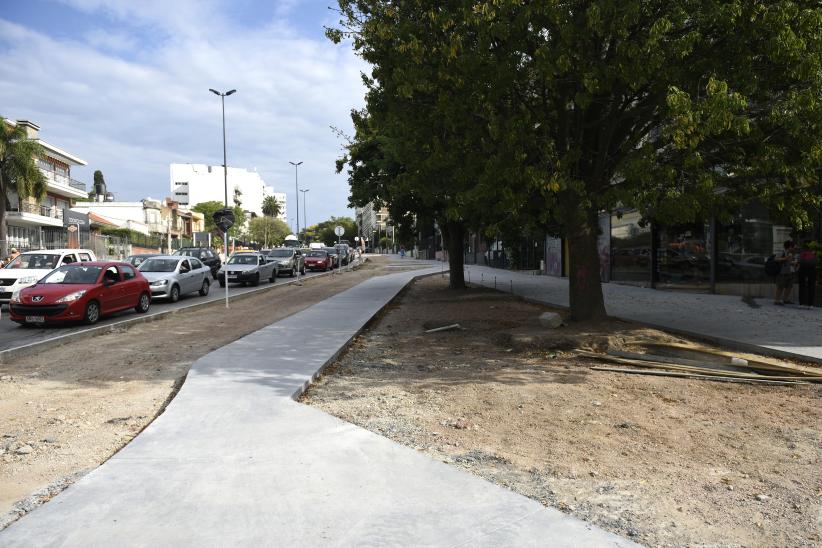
x=271, y=207
x=18, y=172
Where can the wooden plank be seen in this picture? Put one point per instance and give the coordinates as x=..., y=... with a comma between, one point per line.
x=691, y=369
x=758, y=362
x=684, y=375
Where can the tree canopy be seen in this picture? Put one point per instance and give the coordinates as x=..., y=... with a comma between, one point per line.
x=19, y=173
x=324, y=231
x=209, y=208
x=267, y=231
x=553, y=112
x=271, y=207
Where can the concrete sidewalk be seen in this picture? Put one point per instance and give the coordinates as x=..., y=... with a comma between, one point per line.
x=235, y=461
x=781, y=330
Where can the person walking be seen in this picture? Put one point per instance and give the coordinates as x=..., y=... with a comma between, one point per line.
x=402, y=252
x=806, y=272
x=784, y=280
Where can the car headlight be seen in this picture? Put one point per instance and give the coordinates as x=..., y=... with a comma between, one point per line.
x=158, y=283
x=15, y=296
x=27, y=280
x=71, y=297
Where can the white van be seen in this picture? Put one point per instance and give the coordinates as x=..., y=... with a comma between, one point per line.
x=28, y=267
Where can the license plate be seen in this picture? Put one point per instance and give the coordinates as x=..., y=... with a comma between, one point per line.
x=35, y=319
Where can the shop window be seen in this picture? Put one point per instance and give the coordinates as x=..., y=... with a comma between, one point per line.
x=745, y=243
x=683, y=256
x=630, y=249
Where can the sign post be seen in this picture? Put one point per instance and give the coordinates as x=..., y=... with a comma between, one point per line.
x=339, y=231
x=224, y=219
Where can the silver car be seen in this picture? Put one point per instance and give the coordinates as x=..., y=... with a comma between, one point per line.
x=248, y=267
x=288, y=259
x=170, y=276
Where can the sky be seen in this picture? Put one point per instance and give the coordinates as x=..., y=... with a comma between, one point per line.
x=123, y=84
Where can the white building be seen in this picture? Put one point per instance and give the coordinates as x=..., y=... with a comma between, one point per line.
x=192, y=184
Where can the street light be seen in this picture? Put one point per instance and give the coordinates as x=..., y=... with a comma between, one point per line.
x=225, y=181
x=305, y=211
x=297, y=196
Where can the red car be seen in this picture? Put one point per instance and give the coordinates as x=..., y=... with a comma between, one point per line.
x=81, y=292
x=317, y=259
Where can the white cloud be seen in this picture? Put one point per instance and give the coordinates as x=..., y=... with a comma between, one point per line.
x=131, y=108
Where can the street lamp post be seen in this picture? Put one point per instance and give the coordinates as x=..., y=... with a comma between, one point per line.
x=225, y=181
x=297, y=196
x=305, y=211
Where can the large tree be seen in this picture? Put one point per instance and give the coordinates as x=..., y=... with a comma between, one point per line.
x=19, y=173
x=268, y=231
x=680, y=108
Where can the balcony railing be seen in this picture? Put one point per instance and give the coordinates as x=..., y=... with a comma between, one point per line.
x=59, y=178
x=37, y=209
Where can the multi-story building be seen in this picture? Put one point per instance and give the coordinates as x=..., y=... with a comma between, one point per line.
x=34, y=223
x=192, y=184
x=374, y=224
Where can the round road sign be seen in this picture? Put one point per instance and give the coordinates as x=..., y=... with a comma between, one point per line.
x=339, y=230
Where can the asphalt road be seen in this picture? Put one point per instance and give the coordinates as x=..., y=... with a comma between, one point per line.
x=13, y=335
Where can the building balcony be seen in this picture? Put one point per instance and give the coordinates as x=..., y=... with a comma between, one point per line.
x=35, y=215
x=62, y=184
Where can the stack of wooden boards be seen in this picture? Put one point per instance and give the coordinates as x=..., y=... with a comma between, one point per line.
x=694, y=361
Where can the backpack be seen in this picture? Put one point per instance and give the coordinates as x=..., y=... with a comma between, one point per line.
x=772, y=267
x=807, y=258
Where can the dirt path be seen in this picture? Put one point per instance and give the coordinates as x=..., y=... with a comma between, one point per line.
x=663, y=461
x=68, y=409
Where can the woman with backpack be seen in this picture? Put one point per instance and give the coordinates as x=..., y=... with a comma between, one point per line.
x=784, y=280
x=807, y=275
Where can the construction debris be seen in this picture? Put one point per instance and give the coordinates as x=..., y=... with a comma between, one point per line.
x=451, y=327
x=695, y=376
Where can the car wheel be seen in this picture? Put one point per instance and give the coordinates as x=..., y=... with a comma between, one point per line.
x=143, y=304
x=222, y=283
x=174, y=295
x=292, y=272
x=92, y=312
x=205, y=288
x=256, y=281
x=273, y=277
x=302, y=271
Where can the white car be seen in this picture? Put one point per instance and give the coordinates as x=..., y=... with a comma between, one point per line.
x=28, y=267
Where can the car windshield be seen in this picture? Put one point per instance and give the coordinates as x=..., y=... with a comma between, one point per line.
x=281, y=253
x=316, y=254
x=159, y=265
x=243, y=259
x=137, y=260
x=73, y=274
x=41, y=261
x=331, y=251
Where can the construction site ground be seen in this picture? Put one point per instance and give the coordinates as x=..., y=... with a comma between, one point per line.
x=67, y=409
x=663, y=461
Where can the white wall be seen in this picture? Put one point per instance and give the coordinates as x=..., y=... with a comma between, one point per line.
x=125, y=214
x=192, y=184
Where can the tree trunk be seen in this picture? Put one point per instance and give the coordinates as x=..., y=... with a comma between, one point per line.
x=585, y=289
x=454, y=235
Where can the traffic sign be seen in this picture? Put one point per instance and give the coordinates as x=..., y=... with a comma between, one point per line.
x=339, y=230
x=356, y=238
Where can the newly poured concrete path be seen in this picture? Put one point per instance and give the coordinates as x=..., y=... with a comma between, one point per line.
x=235, y=461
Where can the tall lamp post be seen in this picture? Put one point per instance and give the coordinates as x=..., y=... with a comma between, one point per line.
x=297, y=196
x=225, y=181
x=305, y=211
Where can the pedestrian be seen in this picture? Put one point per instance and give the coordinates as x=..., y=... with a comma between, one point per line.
x=784, y=280
x=806, y=272
x=402, y=252
x=14, y=254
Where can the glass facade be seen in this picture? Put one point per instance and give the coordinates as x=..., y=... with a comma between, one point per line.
x=745, y=243
x=683, y=256
x=630, y=249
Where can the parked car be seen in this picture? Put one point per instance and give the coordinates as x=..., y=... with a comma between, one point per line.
x=171, y=276
x=318, y=259
x=206, y=255
x=334, y=253
x=288, y=259
x=137, y=260
x=246, y=268
x=81, y=292
x=344, y=252
x=30, y=266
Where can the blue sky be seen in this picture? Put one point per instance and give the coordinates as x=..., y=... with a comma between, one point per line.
x=123, y=84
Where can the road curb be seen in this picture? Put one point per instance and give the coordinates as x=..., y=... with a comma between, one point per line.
x=6, y=356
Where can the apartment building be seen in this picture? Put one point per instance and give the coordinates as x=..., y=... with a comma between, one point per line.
x=32, y=223
x=192, y=184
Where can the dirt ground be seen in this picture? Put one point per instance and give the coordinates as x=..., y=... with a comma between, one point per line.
x=663, y=461
x=68, y=409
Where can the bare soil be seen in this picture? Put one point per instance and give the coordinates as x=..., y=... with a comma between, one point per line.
x=68, y=409
x=664, y=461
